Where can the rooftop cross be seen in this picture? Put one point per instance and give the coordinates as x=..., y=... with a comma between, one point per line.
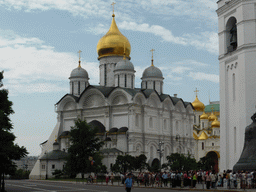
x=196, y=91
x=79, y=57
x=113, y=4
x=212, y=108
x=152, y=50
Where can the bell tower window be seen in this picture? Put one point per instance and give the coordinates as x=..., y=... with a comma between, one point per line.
x=231, y=34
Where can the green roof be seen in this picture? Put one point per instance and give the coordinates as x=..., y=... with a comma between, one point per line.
x=215, y=106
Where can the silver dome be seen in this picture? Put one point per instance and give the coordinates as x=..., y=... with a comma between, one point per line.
x=152, y=71
x=79, y=72
x=124, y=65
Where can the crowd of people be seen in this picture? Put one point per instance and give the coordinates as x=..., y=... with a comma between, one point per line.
x=210, y=179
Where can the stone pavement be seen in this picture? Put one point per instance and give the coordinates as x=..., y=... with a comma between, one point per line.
x=199, y=187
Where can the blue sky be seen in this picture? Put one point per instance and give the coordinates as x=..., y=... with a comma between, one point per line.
x=39, y=41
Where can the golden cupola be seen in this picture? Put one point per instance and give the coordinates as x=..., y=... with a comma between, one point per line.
x=198, y=105
x=212, y=117
x=112, y=44
x=204, y=116
x=216, y=123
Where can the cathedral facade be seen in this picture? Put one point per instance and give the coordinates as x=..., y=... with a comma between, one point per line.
x=237, y=55
x=206, y=131
x=130, y=120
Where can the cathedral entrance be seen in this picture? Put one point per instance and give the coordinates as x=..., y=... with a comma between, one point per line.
x=155, y=165
x=215, y=156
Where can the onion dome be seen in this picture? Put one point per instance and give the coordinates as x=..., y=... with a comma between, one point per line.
x=204, y=116
x=212, y=117
x=216, y=123
x=113, y=42
x=152, y=71
x=198, y=105
x=79, y=72
x=124, y=64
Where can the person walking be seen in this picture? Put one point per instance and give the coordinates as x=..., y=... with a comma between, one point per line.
x=128, y=184
x=208, y=181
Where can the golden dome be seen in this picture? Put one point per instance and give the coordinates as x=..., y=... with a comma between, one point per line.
x=216, y=123
x=113, y=42
x=204, y=116
x=198, y=105
x=212, y=117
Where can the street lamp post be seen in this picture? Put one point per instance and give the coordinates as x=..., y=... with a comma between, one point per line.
x=160, y=151
x=46, y=176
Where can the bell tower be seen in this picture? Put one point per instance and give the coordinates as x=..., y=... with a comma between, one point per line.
x=237, y=62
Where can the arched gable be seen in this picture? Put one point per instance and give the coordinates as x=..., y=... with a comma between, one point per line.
x=92, y=98
x=67, y=103
x=139, y=99
x=189, y=109
x=168, y=104
x=154, y=100
x=180, y=106
x=119, y=97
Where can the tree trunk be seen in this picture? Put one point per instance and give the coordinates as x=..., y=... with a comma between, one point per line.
x=3, y=187
x=0, y=181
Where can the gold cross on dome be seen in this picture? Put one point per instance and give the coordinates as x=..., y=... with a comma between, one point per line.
x=212, y=108
x=79, y=54
x=113, y=4
x=196, y=91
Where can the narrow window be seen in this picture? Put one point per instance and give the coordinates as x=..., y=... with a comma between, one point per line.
x=146, y=84
x=150, y=122
x=105, y=74
x=53, y=166
x=202, y=145
x=212, y=144
x=118, y=80
x=234, y=87
x=235, y=139
x=154, y=85
x=202, y=124
x=137, y=120
x=125, y=80
x=132, y=82
x=43, y=166
x=72, y=87
x=78, y=87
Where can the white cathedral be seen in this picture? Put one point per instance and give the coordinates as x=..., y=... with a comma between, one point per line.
x=131, y=120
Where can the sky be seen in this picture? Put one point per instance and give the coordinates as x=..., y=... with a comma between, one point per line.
x=39, y=41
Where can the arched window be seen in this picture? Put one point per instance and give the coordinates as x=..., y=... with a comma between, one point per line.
x=154, y=85
x=151, y=151
x=231, y=34
x=105, y=74
x=165, y=124
x=177, y=126
x=202, y=145
x=150, y=122
x=118, y=80
x=146, y=84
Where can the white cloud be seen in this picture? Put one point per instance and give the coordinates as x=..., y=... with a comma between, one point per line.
x=31, y=66
x=204, y=41
x=193, y=9
x=204, y=76
x=180, y=69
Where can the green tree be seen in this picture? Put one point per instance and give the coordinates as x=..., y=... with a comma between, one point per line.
x=84, y=144
x=140, y=162
x=206, y=163
x=124, y=163
x=181, y=162
x=8, y=150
